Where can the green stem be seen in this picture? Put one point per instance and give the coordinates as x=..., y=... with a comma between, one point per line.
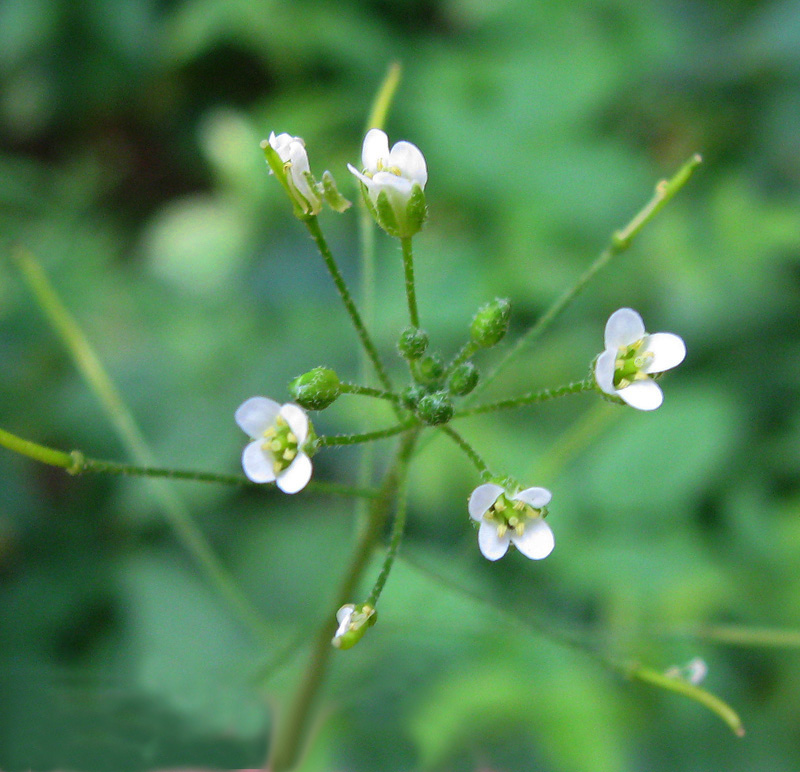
x=368, y=391
x=680, y=686
x=620, y=241
x=292, y=729
x=531, y=398
x=738, y=635
x=175, y=512
x=472, y=454
x=355, y=439
x=398, y=527
x=369, y=347
x=37, y=452
x=411, y=293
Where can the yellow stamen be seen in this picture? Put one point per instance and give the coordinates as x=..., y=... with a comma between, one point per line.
x=289, y=454
x=499, y=505
x=519, y=505
x=291, y=438
x=276, y=445
x=501, y=530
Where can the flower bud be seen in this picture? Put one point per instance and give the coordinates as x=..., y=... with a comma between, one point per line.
x=430, y=368
x=435, y=408
x=410, y=396
x=412, y=343
x=463, y=379
x=353, y=623
x=490, y=323
x=316, y=389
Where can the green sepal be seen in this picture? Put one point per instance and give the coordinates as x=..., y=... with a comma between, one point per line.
x=385, y=216
x=416, y=212
x=331, y=194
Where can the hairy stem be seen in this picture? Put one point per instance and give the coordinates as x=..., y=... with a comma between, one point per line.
x=411, y=292
x=531, y=398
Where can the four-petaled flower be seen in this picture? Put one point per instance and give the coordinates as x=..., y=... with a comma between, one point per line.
x=516, y=518
x=292, y=151
x=631, y=356
x=276, y=453
x=396, y=173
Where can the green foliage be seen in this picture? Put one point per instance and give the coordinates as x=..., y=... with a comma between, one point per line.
x=130, y=165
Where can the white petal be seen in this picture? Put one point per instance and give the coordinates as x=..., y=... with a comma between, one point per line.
x=604, y=370
x=296, y=476
x=298, y=421
x=391, y=183
x=374, y=149
x=257, y=463
x=623, y=327
x=643, y=395
x=492, y=546
x=536, y=497
x=366, y=180
x=537, y=541
x=482, y=498
x=256, y=415
x=668, y=351
x=409, y=159
x=345, y=612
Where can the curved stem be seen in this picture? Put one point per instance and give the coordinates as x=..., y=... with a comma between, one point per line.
x=398, y=527
x=292, y=729
x=472, y=454
x=369, y=347
x=354, y=439
x=467, y=350
x=620, y=241
x=411, y=293
x=531, y=398
x=367, y=391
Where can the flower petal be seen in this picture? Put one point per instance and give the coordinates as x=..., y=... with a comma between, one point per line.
x=537, y=541
x=392, y=184
x=492, y=546
x=257, y=463
x=604, y=370
x=409, y=159
x=623, y=327
x=374, y=149
x=256, y=415
x=536, y=497
x=668, y=351
x=298, y=421
x=643, y=395
x=296, y=476
x=366, y=180
x=345, y=612
x=482, y=498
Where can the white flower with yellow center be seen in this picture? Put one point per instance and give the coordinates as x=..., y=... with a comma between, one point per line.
x=632, y=356
x=278, y=433
x=507, y=518
x=393, y=175
x=292, y=151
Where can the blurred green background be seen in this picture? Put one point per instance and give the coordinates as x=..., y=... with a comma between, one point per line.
x=130, y=167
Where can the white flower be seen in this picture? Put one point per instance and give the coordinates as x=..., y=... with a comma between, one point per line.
x=278, y=433
x=353, y=623
x=517, y=518
x=292, y=151
x=396, y=172
x=631, y=356
x=694, y=671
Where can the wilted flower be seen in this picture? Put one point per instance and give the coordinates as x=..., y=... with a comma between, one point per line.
x=276, y=453
x=292, y=151
x=394, y=181
x=516, y=518
x=353, y=623
x=631, y=356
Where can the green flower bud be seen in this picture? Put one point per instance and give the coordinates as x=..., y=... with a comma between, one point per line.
x=316, y=389
x=412, y=343
x=490, y=323
x=410, y=396
x=435, y=408
x=463, y=379
x=430, y=368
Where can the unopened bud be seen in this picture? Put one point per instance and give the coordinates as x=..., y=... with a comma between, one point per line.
x=435, y=408
x=316, y=389
x=490, y=323
x=412, y=343
x=463, y=379
x=430, y=368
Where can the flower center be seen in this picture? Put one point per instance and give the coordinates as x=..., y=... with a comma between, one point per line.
x=391, y=169
x=508, y=514
x=631, y=360
x=281, y=443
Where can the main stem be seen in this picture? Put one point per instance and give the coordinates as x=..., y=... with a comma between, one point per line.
x=322, y=245
x=411, y=293
x=292, y=729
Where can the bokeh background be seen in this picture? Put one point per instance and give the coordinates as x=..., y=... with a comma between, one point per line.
x=130, y=167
